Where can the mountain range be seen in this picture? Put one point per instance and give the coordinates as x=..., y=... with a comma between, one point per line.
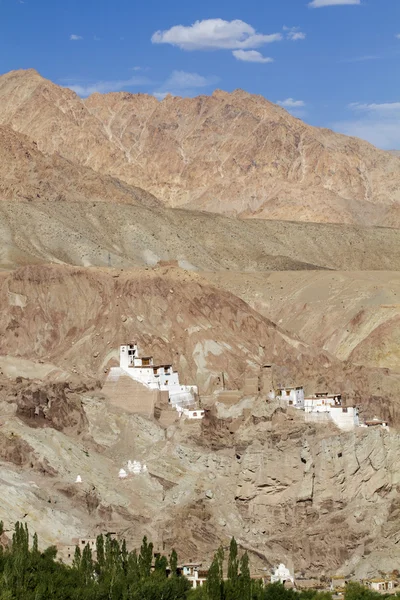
x=229, y=153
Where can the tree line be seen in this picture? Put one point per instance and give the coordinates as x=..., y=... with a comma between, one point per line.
x=27, y=573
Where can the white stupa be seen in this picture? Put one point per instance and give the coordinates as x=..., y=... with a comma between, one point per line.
x=282, y=575
x=122, y=474
x=78, y=479
x=134, y=467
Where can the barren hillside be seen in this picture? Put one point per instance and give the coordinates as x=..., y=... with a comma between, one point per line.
x=259, y=477
x=126, y=235
x=205, y=483
x=353, y=315
x=235, y=153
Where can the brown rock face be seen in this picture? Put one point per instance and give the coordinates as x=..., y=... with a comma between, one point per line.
x=236, y=153
x=50, y=405
x=28, y=174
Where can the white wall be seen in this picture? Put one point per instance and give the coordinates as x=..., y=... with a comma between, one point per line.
x=295, y=397
x=346, y=419
x=164, y=379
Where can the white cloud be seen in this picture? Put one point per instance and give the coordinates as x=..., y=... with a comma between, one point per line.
x=322, y=3
x=383, y=108
x=183, y=80
x=214, y=34
x=398, y=36
x=294, y=34
x=182, y=83
x=291, y=103
x=295, y=107
x=74, y=38
x=379, y=124
x=251, y=56
x=103, y=87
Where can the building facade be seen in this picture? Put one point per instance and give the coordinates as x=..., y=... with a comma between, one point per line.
x=293, y=396
x=156, y=377
x=329, y=407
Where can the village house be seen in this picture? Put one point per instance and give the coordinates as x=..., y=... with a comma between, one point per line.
x=338, y=582
x=67, y=551
x=194, y=573
x=380, y=585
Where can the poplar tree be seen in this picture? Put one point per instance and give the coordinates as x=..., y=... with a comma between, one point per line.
x=232, y=589
x=145, y=558
x=173, y=562
x=245, y=579
x=233, y=562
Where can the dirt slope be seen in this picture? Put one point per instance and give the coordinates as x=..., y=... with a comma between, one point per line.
x=103, y=233
x=230, y=153
x=354, y=315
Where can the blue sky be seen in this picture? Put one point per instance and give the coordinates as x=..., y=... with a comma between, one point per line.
x=333, y=63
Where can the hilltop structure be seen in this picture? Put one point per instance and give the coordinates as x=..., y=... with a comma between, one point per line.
x=140, y=385
x=324, y=406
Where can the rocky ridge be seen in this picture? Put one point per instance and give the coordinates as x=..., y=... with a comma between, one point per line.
x=235, y=153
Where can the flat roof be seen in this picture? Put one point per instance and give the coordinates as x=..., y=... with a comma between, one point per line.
x=323, y=396
x=149, y=367
x=290, y=387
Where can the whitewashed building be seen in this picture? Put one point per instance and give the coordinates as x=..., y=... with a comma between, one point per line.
x=380, y=585
x=293, y=396
x=282, y=575
x=156, y=377
x=193, y=572
x=329, y=407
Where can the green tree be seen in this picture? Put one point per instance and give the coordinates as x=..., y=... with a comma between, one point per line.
x=245, y=579
x=233, y=562
x=76, y=563
x=160, y=566
x=173, y=562
x=145, y=558
x=214, y=583
x=356, y=591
